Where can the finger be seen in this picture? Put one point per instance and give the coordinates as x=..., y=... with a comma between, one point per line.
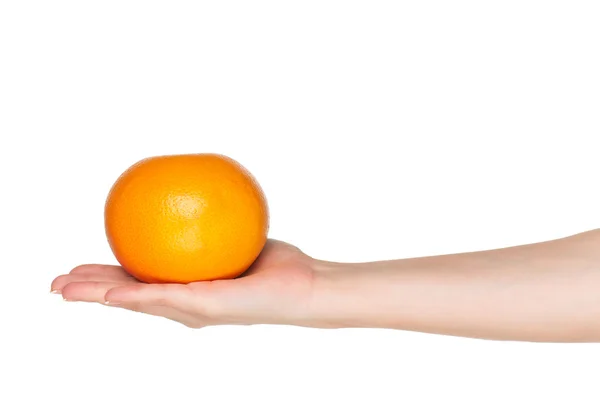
x=61, y=281
x=170, y=295
x=101, y=269
x=89, y=291
x=92, y=291
x=170, y=313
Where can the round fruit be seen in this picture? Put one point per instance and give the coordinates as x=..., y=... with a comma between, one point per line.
x=185, y=218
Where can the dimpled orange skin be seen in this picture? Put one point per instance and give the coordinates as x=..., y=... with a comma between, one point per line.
x=186, y=218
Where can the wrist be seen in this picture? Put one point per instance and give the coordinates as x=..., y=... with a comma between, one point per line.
x=337, y=288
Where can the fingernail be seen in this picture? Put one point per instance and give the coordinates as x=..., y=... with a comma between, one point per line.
x=55, y=291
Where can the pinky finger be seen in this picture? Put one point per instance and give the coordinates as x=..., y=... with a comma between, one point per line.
x=160, y=311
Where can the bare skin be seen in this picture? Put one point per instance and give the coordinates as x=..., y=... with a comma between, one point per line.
x=546, y=291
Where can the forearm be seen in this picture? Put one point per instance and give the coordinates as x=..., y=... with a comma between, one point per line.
x=548, y=291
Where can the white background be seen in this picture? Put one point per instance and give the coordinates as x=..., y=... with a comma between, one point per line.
x=377, y=129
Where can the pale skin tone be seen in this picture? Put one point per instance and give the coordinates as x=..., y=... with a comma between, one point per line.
x=545, y=291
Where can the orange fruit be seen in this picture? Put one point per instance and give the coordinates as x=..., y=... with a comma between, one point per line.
x=185, y=218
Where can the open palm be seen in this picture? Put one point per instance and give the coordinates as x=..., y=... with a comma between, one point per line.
x=276, y=288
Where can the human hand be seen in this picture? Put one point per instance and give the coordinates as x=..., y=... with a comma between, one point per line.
x=276, y=289
x=508, y=293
